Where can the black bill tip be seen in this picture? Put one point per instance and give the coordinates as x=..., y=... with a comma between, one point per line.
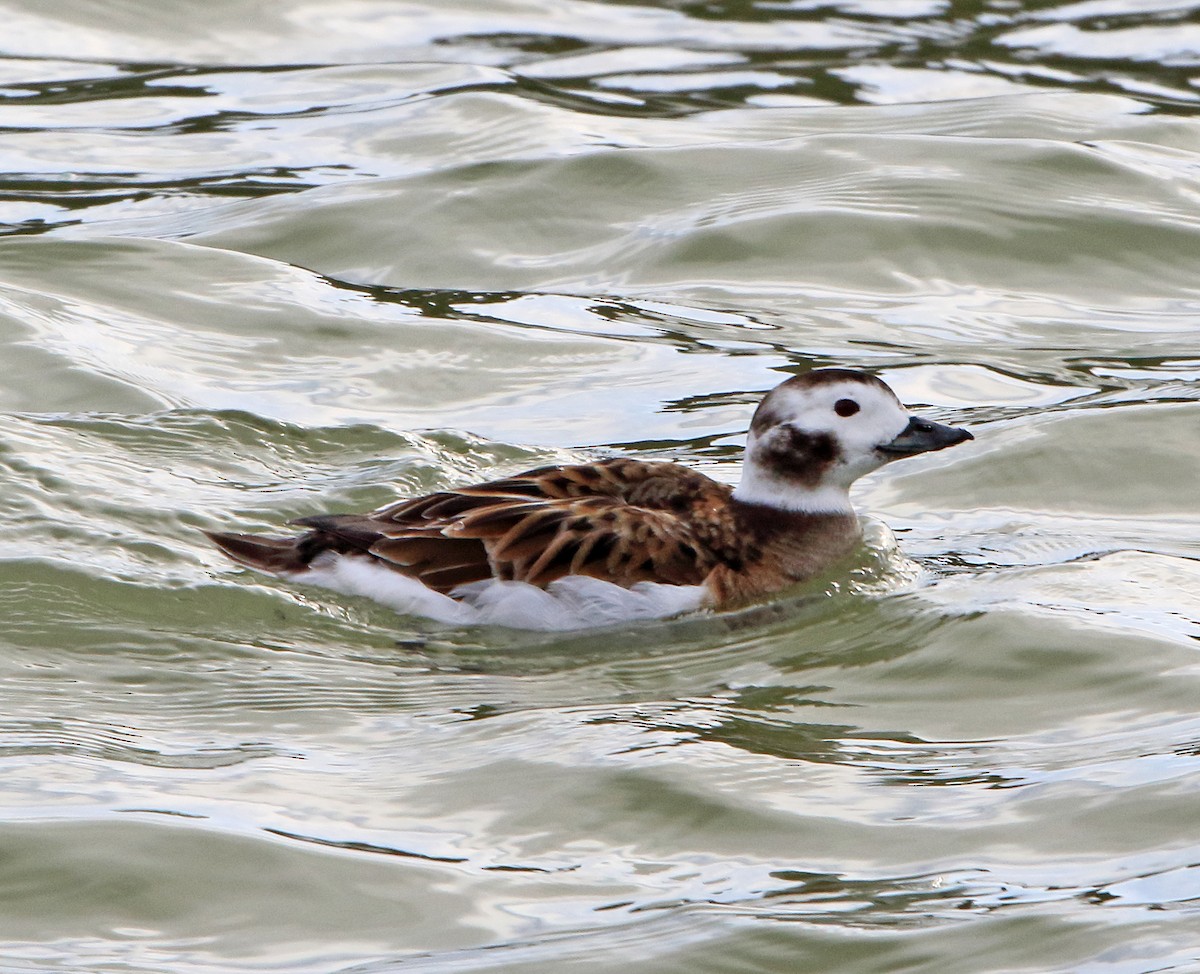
x=924, y=436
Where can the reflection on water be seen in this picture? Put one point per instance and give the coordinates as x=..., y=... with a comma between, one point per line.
x=266, y=260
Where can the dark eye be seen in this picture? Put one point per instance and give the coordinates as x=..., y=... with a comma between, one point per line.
x=845, y=407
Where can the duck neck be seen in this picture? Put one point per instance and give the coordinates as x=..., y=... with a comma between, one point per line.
x=763, y=489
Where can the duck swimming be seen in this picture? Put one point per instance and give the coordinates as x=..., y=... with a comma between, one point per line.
x=565, y=547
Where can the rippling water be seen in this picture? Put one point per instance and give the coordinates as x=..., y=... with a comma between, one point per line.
x=265, y=260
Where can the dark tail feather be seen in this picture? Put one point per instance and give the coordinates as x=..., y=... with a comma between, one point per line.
x=264, y=553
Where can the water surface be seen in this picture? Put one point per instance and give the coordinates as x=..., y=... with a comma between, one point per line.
x=262, y=261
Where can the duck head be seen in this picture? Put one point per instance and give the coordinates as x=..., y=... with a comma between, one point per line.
x=815, y=434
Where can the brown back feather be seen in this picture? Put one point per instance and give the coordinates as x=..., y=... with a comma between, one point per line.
x=621, y=520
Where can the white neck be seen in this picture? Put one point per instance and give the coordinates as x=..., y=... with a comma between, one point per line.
x=760, y=487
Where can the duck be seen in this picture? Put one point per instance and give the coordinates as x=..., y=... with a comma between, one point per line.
x=622, y=539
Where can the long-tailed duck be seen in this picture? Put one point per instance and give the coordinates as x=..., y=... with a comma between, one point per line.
x=568, y=547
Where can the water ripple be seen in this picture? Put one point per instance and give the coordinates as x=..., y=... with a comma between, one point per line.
x=264, y=261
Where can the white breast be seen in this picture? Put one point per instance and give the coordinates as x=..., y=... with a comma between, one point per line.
x=572, y=602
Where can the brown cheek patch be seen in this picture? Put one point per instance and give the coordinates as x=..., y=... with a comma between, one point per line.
x=795, y=455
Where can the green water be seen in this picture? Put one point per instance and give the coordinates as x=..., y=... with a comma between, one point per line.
x=267, y=260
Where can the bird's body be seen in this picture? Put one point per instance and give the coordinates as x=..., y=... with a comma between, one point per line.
x=567, y=546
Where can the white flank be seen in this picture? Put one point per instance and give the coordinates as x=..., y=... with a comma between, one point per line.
x=573, y=602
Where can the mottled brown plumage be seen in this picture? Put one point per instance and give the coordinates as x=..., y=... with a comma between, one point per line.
x=624, y=521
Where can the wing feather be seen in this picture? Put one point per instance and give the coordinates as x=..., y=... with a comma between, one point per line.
x=621, y=520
